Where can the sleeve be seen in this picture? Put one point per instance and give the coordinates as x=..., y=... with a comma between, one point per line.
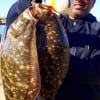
x=87, y=70
x=15, y=10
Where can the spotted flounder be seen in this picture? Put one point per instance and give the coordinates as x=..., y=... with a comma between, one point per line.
x=53, y=55
x=19, y=60
x=35, y=56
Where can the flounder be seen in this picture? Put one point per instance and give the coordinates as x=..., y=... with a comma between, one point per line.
x=53, y=54
x=35, y=55
x=19, y=60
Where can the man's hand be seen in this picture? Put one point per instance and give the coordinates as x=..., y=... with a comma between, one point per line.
x=43, y=12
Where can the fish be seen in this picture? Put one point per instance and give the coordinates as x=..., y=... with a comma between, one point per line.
x=35, y=55
x=19, y=60
x=53, y=52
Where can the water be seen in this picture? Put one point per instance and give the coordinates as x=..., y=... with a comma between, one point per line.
x=2, y=30
x=2, y=96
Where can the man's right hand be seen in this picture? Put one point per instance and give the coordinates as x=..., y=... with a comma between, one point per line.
x=42, y=12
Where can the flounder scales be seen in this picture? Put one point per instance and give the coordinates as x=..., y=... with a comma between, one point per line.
x=19, y=61
x=23, y=53
x=53, y=55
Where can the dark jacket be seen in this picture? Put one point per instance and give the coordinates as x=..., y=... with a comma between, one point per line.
x=83, y=79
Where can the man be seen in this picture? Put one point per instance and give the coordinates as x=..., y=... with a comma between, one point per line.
x=83, y=79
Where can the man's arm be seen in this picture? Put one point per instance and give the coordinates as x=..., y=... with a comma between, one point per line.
x=15, y=10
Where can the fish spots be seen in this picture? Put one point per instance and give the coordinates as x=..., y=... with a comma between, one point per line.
x=19, y=59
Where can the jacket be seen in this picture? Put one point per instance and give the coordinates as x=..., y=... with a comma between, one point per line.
x=83, y=79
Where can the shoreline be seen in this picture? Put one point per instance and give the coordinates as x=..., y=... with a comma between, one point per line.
x=2, y=23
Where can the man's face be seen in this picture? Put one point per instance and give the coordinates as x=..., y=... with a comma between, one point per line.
x=82, y=7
